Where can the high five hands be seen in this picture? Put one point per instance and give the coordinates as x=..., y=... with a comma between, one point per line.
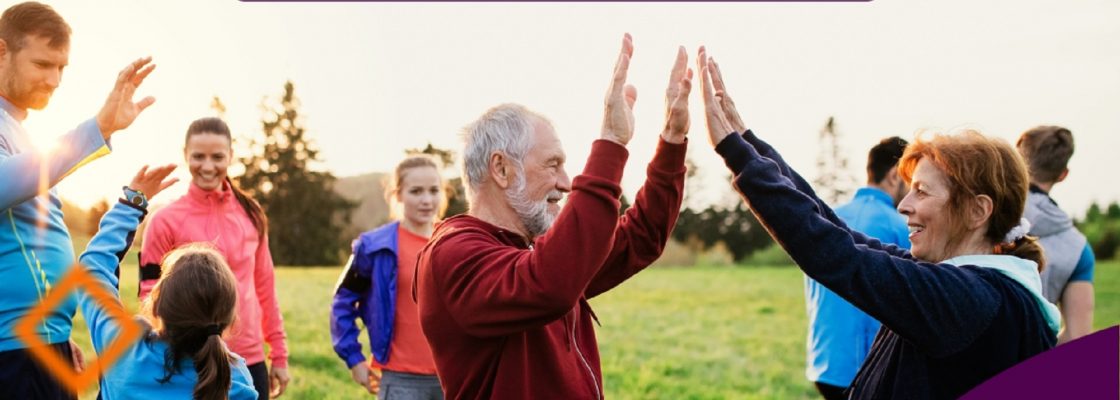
x=719, y=110
x=720, y=113
x=119, y=110
x=618, y=116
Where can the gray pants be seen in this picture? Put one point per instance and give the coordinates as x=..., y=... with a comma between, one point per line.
x=405, y=386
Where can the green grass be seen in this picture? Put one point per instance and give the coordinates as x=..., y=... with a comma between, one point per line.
x=668, y=333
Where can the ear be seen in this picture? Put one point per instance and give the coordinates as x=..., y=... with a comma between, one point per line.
x=980, y=211
x=1062, y=177
x=500, y=169
x=4, y=49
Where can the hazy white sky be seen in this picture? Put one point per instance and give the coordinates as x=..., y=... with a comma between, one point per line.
x=377, y=78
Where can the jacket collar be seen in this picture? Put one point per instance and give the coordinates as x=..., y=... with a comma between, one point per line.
x=206, y=196
x=470, y=221
x=382, y=238
x=18, y=113
x=876, y=194
x=1019, y=270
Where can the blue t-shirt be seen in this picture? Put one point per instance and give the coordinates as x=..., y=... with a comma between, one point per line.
x=1085, y=265
x=840, y=335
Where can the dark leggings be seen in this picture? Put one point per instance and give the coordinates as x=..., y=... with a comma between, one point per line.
x=259, y=372
x=21, y=377
x=830, y=392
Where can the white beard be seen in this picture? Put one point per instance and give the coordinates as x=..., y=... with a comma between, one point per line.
x=534, y=214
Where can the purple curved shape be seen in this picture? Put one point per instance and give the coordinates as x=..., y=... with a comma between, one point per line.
x=1086, y=368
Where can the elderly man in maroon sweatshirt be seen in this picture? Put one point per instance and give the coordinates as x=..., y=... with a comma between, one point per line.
x=503, y=290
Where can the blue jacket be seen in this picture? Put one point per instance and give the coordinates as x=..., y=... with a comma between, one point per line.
x=35, y=247
x=138, y=371
x=367, y=289
x=840, y=335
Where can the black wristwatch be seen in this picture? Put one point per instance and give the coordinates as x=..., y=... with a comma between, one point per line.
x=135, y=197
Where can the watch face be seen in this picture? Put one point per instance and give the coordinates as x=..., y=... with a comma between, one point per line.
x=137, y=200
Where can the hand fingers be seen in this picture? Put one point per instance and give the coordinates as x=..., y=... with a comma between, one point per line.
x=680, y=66
x=77, y=357
x=726, y=103
x=705, y=81
x=139, y=78
x=144, y=104
x=717, y=75
x=374, y=383
x=685, y=85
x=713, y=112
x=140, y=174
x=278, y=385
x=631, y=94
x=166, y=184
x=622, y=65
x=161, y=172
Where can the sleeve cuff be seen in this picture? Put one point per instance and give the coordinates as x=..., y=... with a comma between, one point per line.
x=606, y=161
x=352, y=360
x=95, y=137
x=735, y=151
x=670, y=157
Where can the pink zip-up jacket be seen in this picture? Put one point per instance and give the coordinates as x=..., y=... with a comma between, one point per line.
x=217, y=218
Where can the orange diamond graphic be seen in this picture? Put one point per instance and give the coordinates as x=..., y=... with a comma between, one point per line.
x=63, y=370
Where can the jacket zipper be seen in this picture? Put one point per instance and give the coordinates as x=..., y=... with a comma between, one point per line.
x=594, y=381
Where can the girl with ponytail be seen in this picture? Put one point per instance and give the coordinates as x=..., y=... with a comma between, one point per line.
x=181, y=353
x=217, y=212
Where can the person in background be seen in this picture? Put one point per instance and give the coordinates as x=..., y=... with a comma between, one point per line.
x=1068, y=277
x=216, y=211
x=376, y=286
x=840, y=335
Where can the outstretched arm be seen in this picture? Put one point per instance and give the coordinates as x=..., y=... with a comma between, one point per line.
x=915, y=300
x=506, y=289
x=731, y=119
x=27, y=173
x=644, y=229
x=108, y=247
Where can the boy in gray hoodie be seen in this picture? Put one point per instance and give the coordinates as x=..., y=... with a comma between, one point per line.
x=1067, y=279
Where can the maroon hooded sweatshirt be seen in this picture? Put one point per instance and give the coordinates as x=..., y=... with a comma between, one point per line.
x=510, y=320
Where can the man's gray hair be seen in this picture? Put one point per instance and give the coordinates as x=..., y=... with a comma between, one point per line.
x=506, y=128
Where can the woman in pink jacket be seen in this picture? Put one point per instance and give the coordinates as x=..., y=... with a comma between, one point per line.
x=217, y=212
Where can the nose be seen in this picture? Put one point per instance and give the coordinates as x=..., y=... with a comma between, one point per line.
x=54, y=78
x=564, y=184
x=906, y=206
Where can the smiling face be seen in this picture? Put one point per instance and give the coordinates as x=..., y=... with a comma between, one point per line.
x=208, y=155
x=421, y=194
x=928, y=213
x=29, y=76
x=541, y=182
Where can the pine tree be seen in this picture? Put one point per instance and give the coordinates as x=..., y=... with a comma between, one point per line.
x=833, y=181
x=305, y=215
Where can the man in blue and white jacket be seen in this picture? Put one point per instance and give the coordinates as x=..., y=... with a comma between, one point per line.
x=840, y=335
x=35, y=247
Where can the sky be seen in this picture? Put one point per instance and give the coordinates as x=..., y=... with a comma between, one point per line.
x=377, y=78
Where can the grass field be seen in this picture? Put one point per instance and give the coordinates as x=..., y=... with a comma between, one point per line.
x=669, y=333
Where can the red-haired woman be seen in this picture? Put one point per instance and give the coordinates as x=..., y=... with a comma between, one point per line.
x=964, y=304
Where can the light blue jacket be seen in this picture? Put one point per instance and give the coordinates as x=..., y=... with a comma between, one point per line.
x=840, y=335
x=137, y=374
x=35, y=247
